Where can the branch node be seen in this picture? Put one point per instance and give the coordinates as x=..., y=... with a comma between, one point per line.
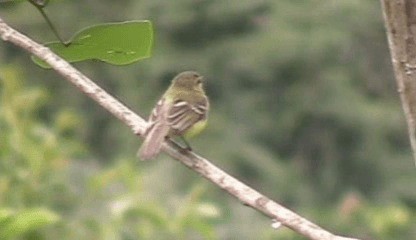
x=6, y=34
x=276, y=224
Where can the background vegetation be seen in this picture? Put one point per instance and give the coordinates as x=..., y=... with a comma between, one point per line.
x=304, y=109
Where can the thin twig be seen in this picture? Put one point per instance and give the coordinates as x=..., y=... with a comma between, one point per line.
x=244, y=193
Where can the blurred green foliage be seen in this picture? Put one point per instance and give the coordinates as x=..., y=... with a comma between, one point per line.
x=13, y=225
x=304, y=109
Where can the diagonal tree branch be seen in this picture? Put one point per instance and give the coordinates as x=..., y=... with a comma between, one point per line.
x=244, y=193
x=400, y=21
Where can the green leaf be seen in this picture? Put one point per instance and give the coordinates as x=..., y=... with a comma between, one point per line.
x=26, y=221
x=115, y=43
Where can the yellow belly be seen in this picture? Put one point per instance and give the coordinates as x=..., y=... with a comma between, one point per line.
x=195, y=129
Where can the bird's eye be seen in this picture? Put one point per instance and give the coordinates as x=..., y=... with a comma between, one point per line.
x=199, y=81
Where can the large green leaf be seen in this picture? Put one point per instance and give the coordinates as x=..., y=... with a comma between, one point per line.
x=114, y=43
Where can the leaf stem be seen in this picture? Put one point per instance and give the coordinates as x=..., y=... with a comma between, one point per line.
x=40, y=5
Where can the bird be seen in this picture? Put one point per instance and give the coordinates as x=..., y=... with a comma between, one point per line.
x=182, y=111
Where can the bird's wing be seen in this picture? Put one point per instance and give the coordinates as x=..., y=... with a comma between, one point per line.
x=183, y=115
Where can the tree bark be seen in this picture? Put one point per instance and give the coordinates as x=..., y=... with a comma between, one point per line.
x=400, y=22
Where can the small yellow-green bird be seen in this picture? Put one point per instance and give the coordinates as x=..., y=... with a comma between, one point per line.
x=182, y=111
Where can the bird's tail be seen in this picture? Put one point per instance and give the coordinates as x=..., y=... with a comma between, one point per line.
x=153, y=141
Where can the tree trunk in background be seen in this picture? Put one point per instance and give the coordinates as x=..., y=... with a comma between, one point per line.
x=400, y=22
